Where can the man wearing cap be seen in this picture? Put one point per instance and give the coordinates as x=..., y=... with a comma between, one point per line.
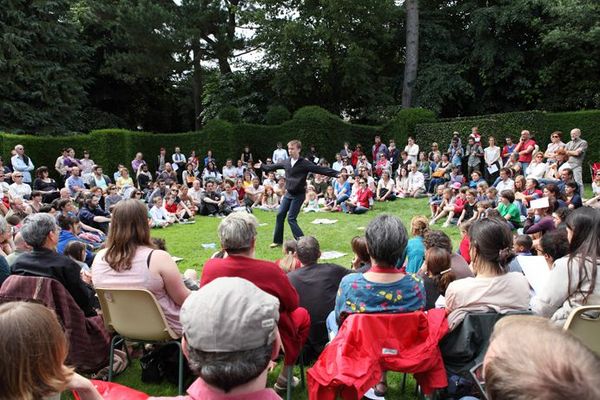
x=230, y=337
x=237, y=233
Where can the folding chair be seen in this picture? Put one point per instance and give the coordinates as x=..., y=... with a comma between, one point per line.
x=584, y=323
x=135, y=315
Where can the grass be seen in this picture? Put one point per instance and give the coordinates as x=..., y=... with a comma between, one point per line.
x=186, y=241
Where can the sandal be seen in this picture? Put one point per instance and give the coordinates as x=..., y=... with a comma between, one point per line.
x=380, y=389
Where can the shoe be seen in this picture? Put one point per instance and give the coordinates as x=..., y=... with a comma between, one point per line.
x=445, y=225
x=274, y=245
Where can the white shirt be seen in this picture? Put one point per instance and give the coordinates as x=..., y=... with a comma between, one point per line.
x=21, y=190
x=491, y=154
x=158, y=214
x=536, y=170
x=413, y=152
x=509, y=184
x=337, y=165
x=178, y=157
x=196, y=195
x=279, y=155
x=293, y=161
x=230, y=172
x=416, y=180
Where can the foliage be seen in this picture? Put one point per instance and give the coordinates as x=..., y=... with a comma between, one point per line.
x=230, y=114
x=403, y=124
x=42, y=65
x=277, y=115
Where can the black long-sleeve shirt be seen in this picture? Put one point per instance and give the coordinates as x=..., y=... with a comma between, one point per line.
x=295, y=177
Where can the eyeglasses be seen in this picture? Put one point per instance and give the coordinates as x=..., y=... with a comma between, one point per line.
x=555, y=137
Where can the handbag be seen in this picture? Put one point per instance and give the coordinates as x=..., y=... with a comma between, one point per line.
x=438, y=173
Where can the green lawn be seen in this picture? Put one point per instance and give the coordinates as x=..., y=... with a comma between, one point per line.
x=186, y=241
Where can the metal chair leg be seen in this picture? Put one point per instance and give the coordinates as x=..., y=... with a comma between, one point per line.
x=403, y=382
x=111, y=356
x=180, y=382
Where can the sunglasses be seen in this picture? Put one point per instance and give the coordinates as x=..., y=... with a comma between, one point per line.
x=554, y=137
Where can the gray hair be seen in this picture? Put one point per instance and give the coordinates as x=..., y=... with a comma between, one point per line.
x=237, y=232
x=36, y=228
x=231, y=369
x=308, y=250
x=386, y=239
x=3, y=225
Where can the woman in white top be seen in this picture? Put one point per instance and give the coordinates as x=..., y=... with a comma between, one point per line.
x=537, y=167
x=491, y=156
x=412, y=149
x=555, y=144
x=385, y=188
x=492, y=288
x=574, y=280
x=131, y=260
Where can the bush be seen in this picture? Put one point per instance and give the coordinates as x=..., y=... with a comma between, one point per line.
x=277, y=115
x=403, y=124
x=230, y=114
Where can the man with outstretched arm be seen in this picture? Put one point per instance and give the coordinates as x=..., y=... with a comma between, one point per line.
x=296, y=170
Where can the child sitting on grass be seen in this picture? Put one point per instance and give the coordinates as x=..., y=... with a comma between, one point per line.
x=330, y=200
x=522, y=247
x=311, y=204
x=509, y=210
x=436, y=200
x=160, y=218
x=289, y=262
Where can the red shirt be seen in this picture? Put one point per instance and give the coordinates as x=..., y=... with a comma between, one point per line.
x=268, y=277
x=526, y=158
x=363, y=196
x=463, y=249
x=459, y=205
x=171, y=208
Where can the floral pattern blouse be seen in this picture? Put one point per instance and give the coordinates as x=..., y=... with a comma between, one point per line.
x=359, y=295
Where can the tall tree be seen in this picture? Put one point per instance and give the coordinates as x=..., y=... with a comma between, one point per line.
x=42, y=69
x=412, y=52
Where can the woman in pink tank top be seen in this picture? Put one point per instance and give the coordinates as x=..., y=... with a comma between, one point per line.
x=131, y=261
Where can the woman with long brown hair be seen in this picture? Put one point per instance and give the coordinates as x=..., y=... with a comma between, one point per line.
x=131, y=260
x=34, y=349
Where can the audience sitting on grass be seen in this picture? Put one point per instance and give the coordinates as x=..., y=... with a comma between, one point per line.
x=564, y=231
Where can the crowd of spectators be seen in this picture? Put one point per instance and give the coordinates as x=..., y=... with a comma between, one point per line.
x=89, y=230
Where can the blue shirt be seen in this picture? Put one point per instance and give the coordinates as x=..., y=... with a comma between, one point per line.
x=415, y=254
x=339, y=188
x=358, y=295
x=66, y=237
x=74, y=182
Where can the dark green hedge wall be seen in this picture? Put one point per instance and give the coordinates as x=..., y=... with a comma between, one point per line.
x=311, y=125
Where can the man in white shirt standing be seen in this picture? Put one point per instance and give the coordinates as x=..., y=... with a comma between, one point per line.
x=179, y=161
x=280, y=154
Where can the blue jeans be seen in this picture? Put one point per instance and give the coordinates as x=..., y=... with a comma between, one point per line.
x=332, y=326
x=341, y=198
x=290, y=206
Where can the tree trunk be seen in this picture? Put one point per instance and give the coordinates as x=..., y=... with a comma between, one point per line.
x=412, y=52
x=198, y=88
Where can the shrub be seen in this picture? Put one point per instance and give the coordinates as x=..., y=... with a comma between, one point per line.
x=277, y=115
x=403, y=124
x=230, y=114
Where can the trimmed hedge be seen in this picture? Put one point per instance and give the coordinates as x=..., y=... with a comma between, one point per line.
x=311, y=125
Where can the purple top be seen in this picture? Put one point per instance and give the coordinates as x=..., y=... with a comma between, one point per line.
x=544, y=225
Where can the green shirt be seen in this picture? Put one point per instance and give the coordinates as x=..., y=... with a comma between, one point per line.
x=513, y=211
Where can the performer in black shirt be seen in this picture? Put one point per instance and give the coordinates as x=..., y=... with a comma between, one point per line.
x=296, y=170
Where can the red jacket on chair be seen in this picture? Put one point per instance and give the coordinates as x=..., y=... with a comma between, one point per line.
x=368, y=344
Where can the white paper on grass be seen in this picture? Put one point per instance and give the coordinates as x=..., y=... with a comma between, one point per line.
x=536, y=271
x=330, y=255
x=209, y=245
x=176, y=259
x=324, y=221
x=263, y=224
x=492, y=169
x=542, y=202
